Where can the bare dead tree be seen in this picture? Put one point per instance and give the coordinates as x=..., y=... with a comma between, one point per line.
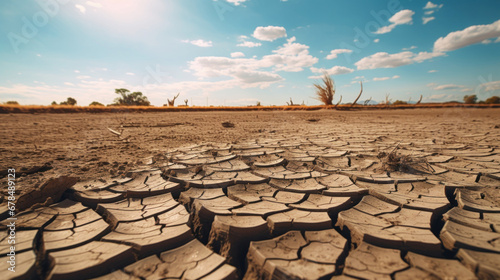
x=387, y=100
x=171, y=102
x=420, y=100
x=290, y=103
x=354, y=103
x=367, y=101
x=186, y=101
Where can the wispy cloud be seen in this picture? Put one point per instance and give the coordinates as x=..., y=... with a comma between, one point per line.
x=386, y=78
x=334, y=53
x=81, y=8
x=399, y=18
x=336, y=70
x=249, y=44
x=385, y=60
x=199, y=43
x=468, y=36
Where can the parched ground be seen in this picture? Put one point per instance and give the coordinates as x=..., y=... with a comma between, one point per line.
x=387, y=194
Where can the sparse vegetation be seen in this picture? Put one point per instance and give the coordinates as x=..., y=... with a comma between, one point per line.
x=70, y=101
x=95, y=103
x=367, y=101
x=387, y=100
x=470, y=99
x=291, y=103
x=172, y=102
x=399, y=102
x=326, y=92
x=130, y=99
x=12, y=103
x=393, y=161
x=493, y=100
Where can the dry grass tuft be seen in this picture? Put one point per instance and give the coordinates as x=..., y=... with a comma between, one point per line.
x=394, y=161
x=326, y=92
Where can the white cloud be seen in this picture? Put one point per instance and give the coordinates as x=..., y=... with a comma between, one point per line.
x=237, y=54
x=336, y=70
x=291, y=57
x=470, y=35
x=199, y=43
x=376, y=40
x=428, y=13
x=236, y=2
x=491, y=86
x=130, y=74
x=334, y=53
x=94, y=4
x=425, y=20
x=269, y=33
x=386, y=78
x=447, y=87
x=410, y=48
x=381, y=79
x=399, y=18
x=432, y=71
x=249, y=44
x=437, y=97
x=385, y=60
x=77, y=71
x=81, y=8
x=83, y=77
x=69, y=84
x=431, y=5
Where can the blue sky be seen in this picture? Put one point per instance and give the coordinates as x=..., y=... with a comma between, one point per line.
x=238, y=52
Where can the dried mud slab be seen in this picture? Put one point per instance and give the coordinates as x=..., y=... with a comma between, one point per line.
x=486, y=200
x=316, y=204
x=146, y=184
x=295, y=256
x=456, y=236
x=389, y=226
x=298, y=220
x=230, y=236
x=90, y=260
x=373, y=262
x=25, y=266
x=434, y=268
x=485, y=265
x=190, y=261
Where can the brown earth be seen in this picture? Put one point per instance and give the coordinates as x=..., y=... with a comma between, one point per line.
x=310, y=189
x=80, y=145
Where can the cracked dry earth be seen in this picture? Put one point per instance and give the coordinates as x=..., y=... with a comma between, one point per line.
x=316, y=205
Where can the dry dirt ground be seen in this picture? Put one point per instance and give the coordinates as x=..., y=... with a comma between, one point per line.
x=392, y=194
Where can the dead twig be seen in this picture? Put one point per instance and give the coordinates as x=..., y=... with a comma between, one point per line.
x=354, y=103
